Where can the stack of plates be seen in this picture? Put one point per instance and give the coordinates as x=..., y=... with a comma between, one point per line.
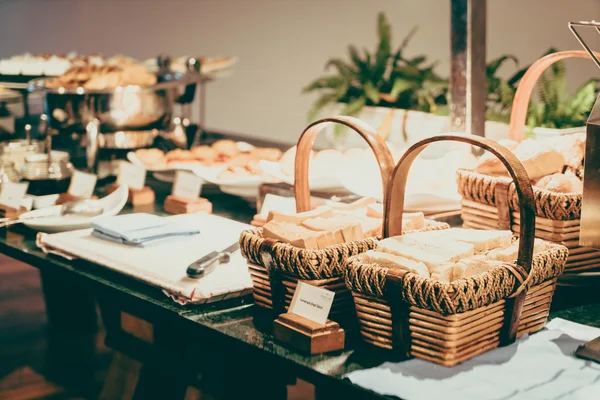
x=451, y=339
x=341, y=311
x=583, y=262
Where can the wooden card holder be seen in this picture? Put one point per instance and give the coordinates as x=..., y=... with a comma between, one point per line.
x=10, y=212
x=65, y=197
x=181, y=205
x=136, y=197
x=308, y=336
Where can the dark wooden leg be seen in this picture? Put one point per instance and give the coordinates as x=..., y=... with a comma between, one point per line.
x=71, y=334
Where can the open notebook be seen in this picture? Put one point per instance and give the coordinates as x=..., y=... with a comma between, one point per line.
x=165, y=264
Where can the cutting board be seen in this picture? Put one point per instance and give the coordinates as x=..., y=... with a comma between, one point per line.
x=164, y=265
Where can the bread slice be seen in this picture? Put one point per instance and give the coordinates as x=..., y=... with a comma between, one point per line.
x=444, y=273
x=432, y=253
x=375, y=210
x=413, y=221
x=345, y=229
x=509, y=254
x=291, y=233
x=297, y=219
x=395, y=262
x=482, y=240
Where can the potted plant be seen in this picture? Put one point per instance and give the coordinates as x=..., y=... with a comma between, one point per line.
x=557, y=113
x=395, y=94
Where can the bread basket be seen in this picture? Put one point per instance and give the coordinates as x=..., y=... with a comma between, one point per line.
x=491, y=202
x=448, y=323
x=276, y=267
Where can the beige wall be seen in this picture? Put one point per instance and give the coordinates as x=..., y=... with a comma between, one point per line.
x=281, y=44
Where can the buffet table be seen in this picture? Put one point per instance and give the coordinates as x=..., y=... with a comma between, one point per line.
x=161, y=347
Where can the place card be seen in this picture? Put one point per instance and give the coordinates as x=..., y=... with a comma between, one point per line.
x=272, y=202
x=12, y=194
x=132, y=175
x=311, y=302
x=187, y=185
x=82, y=184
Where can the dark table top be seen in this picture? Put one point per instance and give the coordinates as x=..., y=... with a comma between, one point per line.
x=232, y=320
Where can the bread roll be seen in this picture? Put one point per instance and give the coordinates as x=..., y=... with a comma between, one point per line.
x=394, y=262
x=561, y=183
x=489, y=164
x=432, y=253
x=572, y=147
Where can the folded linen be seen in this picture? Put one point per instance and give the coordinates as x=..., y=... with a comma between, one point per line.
x=141, y=229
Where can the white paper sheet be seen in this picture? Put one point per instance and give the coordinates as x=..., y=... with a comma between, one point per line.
x=541, y=366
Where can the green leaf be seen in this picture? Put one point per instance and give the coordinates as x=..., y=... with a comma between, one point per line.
x=319, y=105
x=353, y=107
x=344, y=69
x=384, y=50
x=325, y=82
x=581, y=103
x=492, y=66
x=400, y=85
x=355, y=57
x=372, y=93
x=417, y=60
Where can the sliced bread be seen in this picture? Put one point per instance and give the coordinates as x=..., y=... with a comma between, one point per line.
x=344, y=228
x=291, y=233
x=322, y=211
x=387, y=260
x=432, y=253
x=509, y=254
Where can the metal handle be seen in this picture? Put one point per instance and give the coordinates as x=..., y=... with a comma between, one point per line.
x=92, y=131
x=28, y=133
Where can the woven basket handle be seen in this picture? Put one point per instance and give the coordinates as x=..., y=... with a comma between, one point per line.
x=396, y=190
x=518, y=113
x=304, y=148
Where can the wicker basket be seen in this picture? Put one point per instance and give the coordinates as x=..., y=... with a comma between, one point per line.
x=448, y=323
x=491, y=202
x=276, y=267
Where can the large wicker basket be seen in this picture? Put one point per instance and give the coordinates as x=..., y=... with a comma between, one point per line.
x=448, y=323
x=491, y=202
x=276, y=267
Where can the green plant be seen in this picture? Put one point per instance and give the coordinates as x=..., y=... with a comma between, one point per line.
x=382, y=78
x=556, y=109
x=500, y=91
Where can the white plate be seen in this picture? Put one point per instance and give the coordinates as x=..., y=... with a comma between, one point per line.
x=315, y=182
x=242, y=186
x=112, y=205
x=166, y=176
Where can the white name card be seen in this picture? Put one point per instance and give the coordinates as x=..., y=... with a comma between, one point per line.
x=272, y=202
x=12, y=194
x=187, y=185
x=132, y=175
x=82, y=184
x=312, y=302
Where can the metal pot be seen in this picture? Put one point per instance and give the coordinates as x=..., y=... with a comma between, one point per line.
x=119, y=109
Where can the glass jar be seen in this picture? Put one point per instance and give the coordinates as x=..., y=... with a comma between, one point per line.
x=48, y=176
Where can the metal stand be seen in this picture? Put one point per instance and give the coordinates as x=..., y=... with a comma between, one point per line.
x=467, y=70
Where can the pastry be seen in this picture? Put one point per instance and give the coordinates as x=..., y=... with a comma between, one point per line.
x=572, y=147
x=204, y=153
x=560, y=183
x=265, y=153
x=179, y=155
x=151, y=157
x=489, y=164
x=227, y=148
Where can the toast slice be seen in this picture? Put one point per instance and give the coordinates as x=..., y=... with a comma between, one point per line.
x=293, y=234
x=387, y=260
x=413, y=221
x=375, y=210
x=432, y=253
x=355, y=205
x=509, y=254
x=345, y=229
x=482, y=240
x=297, y=219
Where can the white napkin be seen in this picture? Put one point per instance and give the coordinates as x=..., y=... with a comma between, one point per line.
x=541, y=366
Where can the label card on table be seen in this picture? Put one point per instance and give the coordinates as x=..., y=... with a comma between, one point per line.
x=12, y=194
x=312, y=302
x=132, y=175
x=82, y=184
x=272, y=202
x=187, y=185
